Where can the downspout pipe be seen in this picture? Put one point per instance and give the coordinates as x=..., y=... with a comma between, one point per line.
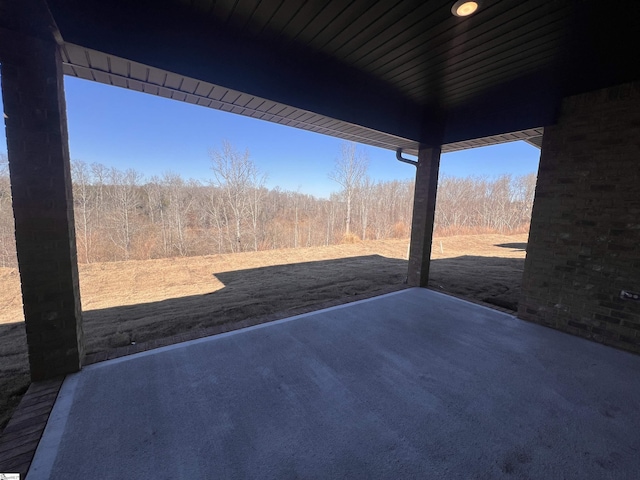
x=400, y=158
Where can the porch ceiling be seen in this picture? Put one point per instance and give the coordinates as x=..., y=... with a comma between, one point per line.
x=96, y=66
x=392, y=74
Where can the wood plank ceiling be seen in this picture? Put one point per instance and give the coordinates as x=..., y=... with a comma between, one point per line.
x=416, y=46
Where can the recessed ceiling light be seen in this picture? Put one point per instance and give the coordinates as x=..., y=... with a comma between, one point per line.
x=463, y=9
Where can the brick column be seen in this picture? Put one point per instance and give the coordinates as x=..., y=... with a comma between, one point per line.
x=36, y=127
x=424, y=208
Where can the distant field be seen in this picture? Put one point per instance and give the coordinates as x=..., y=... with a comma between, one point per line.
x=150, y=299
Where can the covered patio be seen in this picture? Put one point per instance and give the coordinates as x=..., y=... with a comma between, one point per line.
x=412, y=384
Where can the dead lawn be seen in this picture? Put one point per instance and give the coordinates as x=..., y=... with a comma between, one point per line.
x=145, y=300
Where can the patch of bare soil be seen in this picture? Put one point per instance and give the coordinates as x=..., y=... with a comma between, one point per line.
x=146, y=300
x=480, y=267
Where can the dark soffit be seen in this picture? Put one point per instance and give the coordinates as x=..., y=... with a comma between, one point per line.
x=406, y=68
x=99, y=67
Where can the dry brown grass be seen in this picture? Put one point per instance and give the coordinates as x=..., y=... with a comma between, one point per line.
x=150, y=299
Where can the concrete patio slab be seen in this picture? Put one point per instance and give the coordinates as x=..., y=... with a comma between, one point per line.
x=413, y=384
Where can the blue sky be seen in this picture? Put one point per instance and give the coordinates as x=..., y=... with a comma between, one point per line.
x=128, y=129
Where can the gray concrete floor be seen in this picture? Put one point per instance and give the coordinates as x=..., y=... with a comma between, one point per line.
x=413, y=384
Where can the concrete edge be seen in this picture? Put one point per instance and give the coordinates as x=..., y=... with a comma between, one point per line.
x=46, y=453
x=23, y=433
x=234, y=332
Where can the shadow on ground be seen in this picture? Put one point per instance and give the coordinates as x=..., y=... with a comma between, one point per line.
x=495, y=280
x=285, y=289
x=246, y=294
x=14, y=368
x=263, y=294
x=522, y=247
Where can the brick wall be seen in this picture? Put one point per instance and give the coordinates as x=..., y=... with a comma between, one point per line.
x=32, y=90
x=424, y=205
x=584, y=243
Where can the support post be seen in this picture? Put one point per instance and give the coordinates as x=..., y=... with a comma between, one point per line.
x=38, y=151
x=424, y=207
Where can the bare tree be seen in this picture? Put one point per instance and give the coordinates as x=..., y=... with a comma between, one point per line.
x=477, y=204
x=214, y=208
x=119, y=217
x=156, y=204
x=179, y=203
x=365, y=194
x=241, y=183
x=257, y=193
x=125, y=201
x=349, y=171
x=524, y=191
x=84, y=207
x=7, y=238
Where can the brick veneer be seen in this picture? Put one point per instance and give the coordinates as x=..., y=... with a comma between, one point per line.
x=584, y=243
x=36, y=128
x=424, y=206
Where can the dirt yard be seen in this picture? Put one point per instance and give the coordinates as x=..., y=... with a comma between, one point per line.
x=138, y=301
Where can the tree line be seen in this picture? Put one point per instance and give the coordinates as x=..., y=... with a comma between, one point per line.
x=121, y=215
